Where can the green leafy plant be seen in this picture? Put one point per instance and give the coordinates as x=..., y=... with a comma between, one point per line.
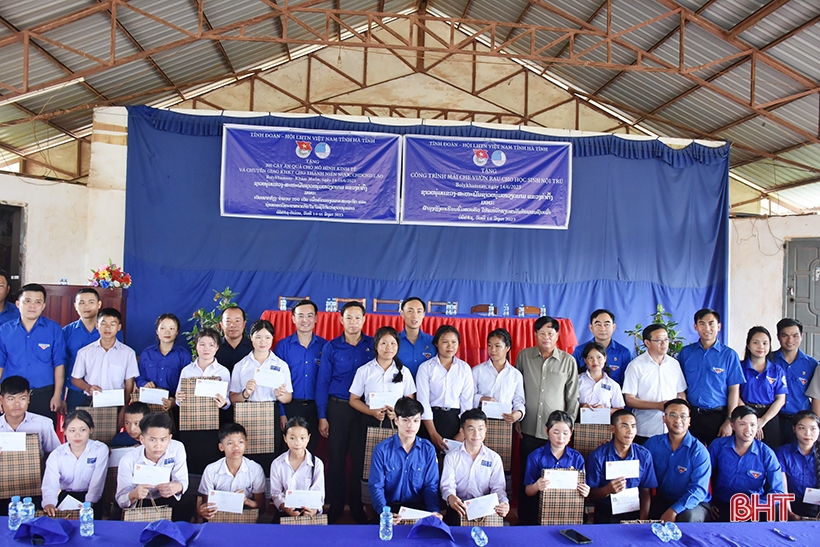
x=210, y=319
x=660, y=317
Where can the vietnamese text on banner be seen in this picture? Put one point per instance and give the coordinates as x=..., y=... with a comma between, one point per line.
x=271, y=172
x=486, y=182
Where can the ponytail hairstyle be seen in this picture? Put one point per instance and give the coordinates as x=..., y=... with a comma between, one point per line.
x=390, y=331
x=799, y=417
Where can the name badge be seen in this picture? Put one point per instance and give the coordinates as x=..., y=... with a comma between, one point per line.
x=486, y=463
x=91, y=460
x=275, y=367
x=606, y=387
x=168, y=461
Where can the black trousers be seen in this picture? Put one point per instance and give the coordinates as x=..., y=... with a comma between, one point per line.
x=786, y=428
x=705, y=424
x=344, y=438
x=40, y=403
x=306, y=408
x=603, y=514
x=771, y=431
x=527, y=506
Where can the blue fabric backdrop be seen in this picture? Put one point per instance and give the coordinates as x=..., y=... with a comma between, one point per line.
x=649, y=225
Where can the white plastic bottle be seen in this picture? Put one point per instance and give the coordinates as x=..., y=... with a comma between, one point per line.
x=14, y=513
x=386, y=524
x=86, y=520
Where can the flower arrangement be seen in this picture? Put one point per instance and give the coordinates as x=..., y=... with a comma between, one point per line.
x=110, y=276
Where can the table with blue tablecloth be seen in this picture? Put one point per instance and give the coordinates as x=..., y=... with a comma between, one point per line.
x=126, y=534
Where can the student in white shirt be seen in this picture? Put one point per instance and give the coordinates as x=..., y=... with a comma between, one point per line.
x=596, y=389
x=296, y=469
x=77, y=468
x=15, y=396
x=157, y=449
x=444, y=387
x=233, y=473
x=472, y=470
x=496, y=380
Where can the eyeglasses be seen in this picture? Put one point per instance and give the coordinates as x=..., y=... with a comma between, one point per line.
x=661, y=341
x=674, y=416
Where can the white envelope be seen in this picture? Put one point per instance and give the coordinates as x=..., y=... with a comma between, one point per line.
x=151, y=395
x=69, y=503
x=266, y=377
x=812, y=496
x=382, y=399
x=228, y=502
x=494, y=409
x=412, y=514
x=625, y=501
x=451, y=445
x=150, y=474
x=13, y=441
x=595, y=416
x=563, y=479
x=628, y=469
x=481, y=506
x=210, y=388
x=312, y=499
x=117, y=454
x=108, y=397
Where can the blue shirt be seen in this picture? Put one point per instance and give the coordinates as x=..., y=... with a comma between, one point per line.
x=161, y=369
x=798, y=375
x=543, y=458
x=617, y=357
x=684, y=473
x=596, y=466
x=76, y=338
x=122, y=439
x=800, y=474
x=761, y=388
x=9, y=313
x=33, y=355
x=757, y=472
x=303, y=363
x=412, y=355
x=408, y=478
x=340, y=361
x=709, y=373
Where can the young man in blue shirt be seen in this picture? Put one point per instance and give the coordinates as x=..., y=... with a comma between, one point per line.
x=404, y=469
x=602, y=326
x=78, y=335
x=338, y=421
x=415, y=345
x=302, y=351
x=33, y=347
x=682, y=467
x=624, y=427
x=713, y=378
x=799, y=369
x=8, y=311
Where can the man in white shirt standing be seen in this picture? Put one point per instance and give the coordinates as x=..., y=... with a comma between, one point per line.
x=651, y=379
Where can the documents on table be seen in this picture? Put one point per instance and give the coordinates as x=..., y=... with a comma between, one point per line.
x=494, y=409
x=211, y=388
x=625, y=501
x=481, y=506
x=151, y=474
x=108, y=397
x=228, y=502
x=628, y=469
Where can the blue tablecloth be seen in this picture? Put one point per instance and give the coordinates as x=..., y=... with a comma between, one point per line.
x=126, y=534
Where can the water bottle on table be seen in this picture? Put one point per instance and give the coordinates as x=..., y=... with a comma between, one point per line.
x=14, y=513
x=86, y=520
x=386, y=524
x=506, y=310
x=521, y=310
x=283, y=303
x=491, y=309
x=666, y=532
x=543, y=311
x=479, y=536
x=27, y=511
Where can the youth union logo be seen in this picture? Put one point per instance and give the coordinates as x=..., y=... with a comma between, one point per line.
x=480, y=157
x=322, y=150
x=303, y=149
x=498, y=158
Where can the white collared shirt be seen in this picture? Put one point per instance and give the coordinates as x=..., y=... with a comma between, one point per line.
x=107, y=369
x=649, y=381
x=506, y=386
x=605, y=391
x=214, y=369
x=468, y=478
x=250, y=477
x=34, y=423
x=371, y=378
x=174, y=457
x=309, y=476
x=65, y=471
x=243, y=373
x=436, y=386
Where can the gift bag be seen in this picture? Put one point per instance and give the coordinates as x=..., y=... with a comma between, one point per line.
x=375, y=435
x=259, y=420
x=247, y=516
x=197, y=413
x=147, y=513
x=588, y=437
x=21, y=470
x=73, y=514
x=304, y=520
x=490, y=520
x=499, y=440
x=135, y=396
x=561, y=506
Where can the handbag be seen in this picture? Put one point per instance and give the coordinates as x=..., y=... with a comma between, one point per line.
x=375, y=435
x=144, y=513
